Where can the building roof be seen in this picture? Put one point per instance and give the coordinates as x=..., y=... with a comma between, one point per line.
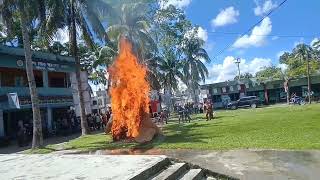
x=293, y=82
x=36, y=54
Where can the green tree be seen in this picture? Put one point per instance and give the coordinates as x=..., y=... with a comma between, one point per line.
x=23, y=10
x=244, y=76
x=193, y=67
x=85, y=15
x=170, y=71
x=304, y=53
x=302, y=61
x=133, y=23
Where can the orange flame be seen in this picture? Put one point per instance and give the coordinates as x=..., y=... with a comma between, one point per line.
x=129, y=93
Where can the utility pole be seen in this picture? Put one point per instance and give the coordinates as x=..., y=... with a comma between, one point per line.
x=237, y=61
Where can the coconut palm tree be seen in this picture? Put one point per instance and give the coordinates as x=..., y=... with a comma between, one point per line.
x=193, y=64
x=74, y=15
x=26, y=16
x=170, y=71
x=305, y=53
x=133, y=24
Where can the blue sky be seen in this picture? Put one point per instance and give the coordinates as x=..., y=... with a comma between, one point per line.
x=261, y=46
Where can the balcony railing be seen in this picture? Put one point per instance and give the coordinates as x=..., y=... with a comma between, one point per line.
x=24, y=91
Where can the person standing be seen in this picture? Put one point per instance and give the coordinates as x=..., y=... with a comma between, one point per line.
x=187, y=111
x=209, y=110
x=21, y=134
x=181, y=113
x=97, y=121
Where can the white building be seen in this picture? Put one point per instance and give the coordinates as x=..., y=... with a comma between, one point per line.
x=101, y=101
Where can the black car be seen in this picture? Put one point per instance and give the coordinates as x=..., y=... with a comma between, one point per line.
x=248, y=101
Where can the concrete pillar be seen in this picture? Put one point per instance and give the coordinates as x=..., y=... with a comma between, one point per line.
x=49, y=118
x=1, y=124
x=45, y=79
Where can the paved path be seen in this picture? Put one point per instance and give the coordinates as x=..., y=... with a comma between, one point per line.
x=35, y=167
x=257, y=164
x=14, y=148
x=247, y=164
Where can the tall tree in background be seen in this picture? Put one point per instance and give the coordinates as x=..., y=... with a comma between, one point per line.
x=244, y=76
x=301, y=62
x=133, y=24
x=26, y=15
x=82, y=15
x=170, y=71
x=74, y=53
x=304, y=53
x=193, y=63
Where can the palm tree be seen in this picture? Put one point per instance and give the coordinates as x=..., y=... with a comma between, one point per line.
x=8, y=9
x=133, y=24
x=170, y=71
x=73, y=14
x=305, y=53
x=193, y=66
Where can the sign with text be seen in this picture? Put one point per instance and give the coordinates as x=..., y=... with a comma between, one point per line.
x=45, y=66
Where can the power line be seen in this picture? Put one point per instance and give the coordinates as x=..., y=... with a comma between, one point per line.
x=269, y=35
x=271, y=11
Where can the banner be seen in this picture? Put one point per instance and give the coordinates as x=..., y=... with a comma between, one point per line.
x=13, y=100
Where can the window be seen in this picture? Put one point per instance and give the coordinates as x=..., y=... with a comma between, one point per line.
x=100, y=102
x=231, y=88
x=244, y=99
x=58, y=79
x=94, y=102
x=224, y=89
x=215, y=91
x=11, y=77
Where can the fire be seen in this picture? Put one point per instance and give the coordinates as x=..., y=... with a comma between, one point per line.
x=129, y=94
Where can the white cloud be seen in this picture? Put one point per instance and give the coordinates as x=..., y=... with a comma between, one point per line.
x=177, y=3
x=209, y=46
x=280, y=53
x=257, y=36
x=228, y=70
x=264, y=8
x=313, y=41
x=62, y=36
x=275, y=37
x=202, y=34
x=282, y=66
x=301, y=41
x=225, y=17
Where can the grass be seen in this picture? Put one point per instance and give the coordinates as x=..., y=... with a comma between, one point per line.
x=44, y=150
x=284, y=127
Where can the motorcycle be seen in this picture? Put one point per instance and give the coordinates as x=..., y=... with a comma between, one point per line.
x=297, y=101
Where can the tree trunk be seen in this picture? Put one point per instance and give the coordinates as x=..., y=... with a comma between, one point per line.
x=266, y=98
x=309, y=84
x=74, y=52
x=286, y=87
x=37, y=139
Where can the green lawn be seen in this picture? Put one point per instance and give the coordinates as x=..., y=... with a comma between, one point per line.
x=277, y=127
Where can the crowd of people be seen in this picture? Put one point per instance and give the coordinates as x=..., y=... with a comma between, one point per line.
x=99, y=121
x=65, y=124
x=184, y=111
x=69, y=123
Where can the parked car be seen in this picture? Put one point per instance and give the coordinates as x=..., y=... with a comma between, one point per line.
x=248, y=101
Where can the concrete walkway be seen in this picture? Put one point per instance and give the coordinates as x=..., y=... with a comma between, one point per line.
x=247, y=164
x=18, y=166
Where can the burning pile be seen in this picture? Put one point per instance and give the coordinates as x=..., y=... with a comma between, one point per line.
x=130, y=98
